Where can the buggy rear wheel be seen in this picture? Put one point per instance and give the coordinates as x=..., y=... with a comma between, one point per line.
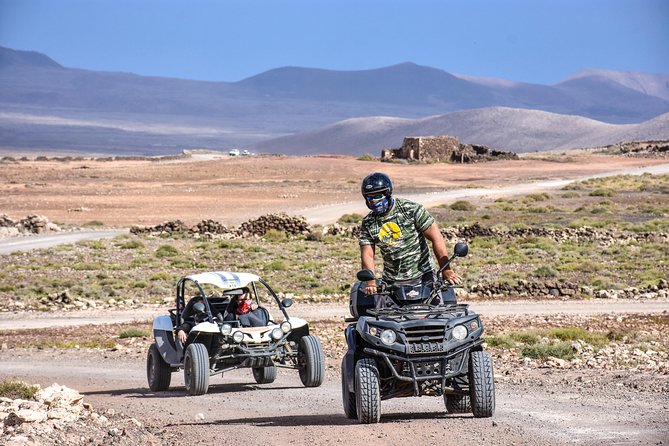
x=481, y=384
x=348, y=398
x=158, y=372
x=311, y=361
x=264, y=375
x=458, y=403
x=196, y=369
x=367, y=395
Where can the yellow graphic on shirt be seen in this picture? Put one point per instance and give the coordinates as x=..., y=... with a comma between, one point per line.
x=390, y=233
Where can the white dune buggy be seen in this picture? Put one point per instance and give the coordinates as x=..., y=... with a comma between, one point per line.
x=218, y=342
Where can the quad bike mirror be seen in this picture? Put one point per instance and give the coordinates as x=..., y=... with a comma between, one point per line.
x=287, y=302
x=461, y=249
x=365, y=275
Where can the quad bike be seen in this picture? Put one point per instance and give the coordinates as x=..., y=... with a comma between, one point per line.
x=427, y=346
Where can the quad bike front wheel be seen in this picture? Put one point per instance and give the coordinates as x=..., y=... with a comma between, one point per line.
x=367, y=394
x=348, y=398
x=196, y=369
x=158, y=372
x=311, y=361
x=264, y=375
x=481, y=384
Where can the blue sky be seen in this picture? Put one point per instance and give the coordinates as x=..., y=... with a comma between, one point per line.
x=540, y=41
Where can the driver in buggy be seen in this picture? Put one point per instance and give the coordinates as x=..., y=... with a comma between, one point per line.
x=243, y=309
x=189, y=318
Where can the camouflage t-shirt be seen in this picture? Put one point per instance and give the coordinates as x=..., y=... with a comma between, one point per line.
x=398, y=234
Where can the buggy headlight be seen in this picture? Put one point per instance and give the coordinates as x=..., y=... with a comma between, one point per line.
x=459, y=332
x=373, y=331
x=388, y=337
x=226, y=329
x=277, y=334
x=238, y=336
x=286, y=327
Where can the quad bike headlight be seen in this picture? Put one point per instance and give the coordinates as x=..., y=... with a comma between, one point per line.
x=277, y=334
x=238, y=336
x=226, y=329
x=373, y=331
x=388, y=337
x=286, y=327
x=459, y=332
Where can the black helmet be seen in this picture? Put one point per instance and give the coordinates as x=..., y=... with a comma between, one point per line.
x=375, y=183
x=377, y=190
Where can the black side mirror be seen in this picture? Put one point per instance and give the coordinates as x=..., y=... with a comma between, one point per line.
x=461, y=249
x=287, y=302
x=365, y=275
x=199, y=308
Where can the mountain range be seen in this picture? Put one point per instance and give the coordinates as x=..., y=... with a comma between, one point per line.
x=46, y=106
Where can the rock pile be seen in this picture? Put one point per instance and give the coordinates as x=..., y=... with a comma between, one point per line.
x=282, y=222
x=580, y=235
x=59, y=415
x=258, y=227
x=552, y=289
x=210, y=227
x=32, y=224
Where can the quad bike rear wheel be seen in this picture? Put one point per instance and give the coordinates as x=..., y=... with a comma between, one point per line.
x=348, y=398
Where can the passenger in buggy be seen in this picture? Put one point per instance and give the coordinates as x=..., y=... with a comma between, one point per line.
x=245, y=310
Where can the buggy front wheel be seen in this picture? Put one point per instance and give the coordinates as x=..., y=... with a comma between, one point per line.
x=158, y=372
x=196, y=369
x=311, y=361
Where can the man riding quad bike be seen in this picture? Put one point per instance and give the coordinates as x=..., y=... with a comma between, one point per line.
x=230, y=322
x=411, y=341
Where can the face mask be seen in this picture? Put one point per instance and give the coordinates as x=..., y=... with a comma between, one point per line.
x=244, y=306
x=379, y=204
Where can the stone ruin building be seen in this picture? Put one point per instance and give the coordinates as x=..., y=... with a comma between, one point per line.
x=443, y=149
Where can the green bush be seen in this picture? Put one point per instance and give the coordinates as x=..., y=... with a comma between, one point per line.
x=462, y=205
x=275, y=235
x=367, y=157
x=134, y=333
x=350, y=218
x=17, y=389
x=602, y=193
x=562, y=350
x=93, y=224
x=167, y=251
x=544, y=272
x=133, y=244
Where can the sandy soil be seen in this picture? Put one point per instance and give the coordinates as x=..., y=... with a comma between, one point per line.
x=233, y=190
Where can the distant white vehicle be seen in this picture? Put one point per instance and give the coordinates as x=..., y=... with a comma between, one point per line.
x=234, y=152
x=246, y=153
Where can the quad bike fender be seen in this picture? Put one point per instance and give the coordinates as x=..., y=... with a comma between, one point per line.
x=348, y=364
x=163, y=333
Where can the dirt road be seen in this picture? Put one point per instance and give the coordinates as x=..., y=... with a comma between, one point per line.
x=534, y=406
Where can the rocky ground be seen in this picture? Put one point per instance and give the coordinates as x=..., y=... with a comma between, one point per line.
x=631, y=370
